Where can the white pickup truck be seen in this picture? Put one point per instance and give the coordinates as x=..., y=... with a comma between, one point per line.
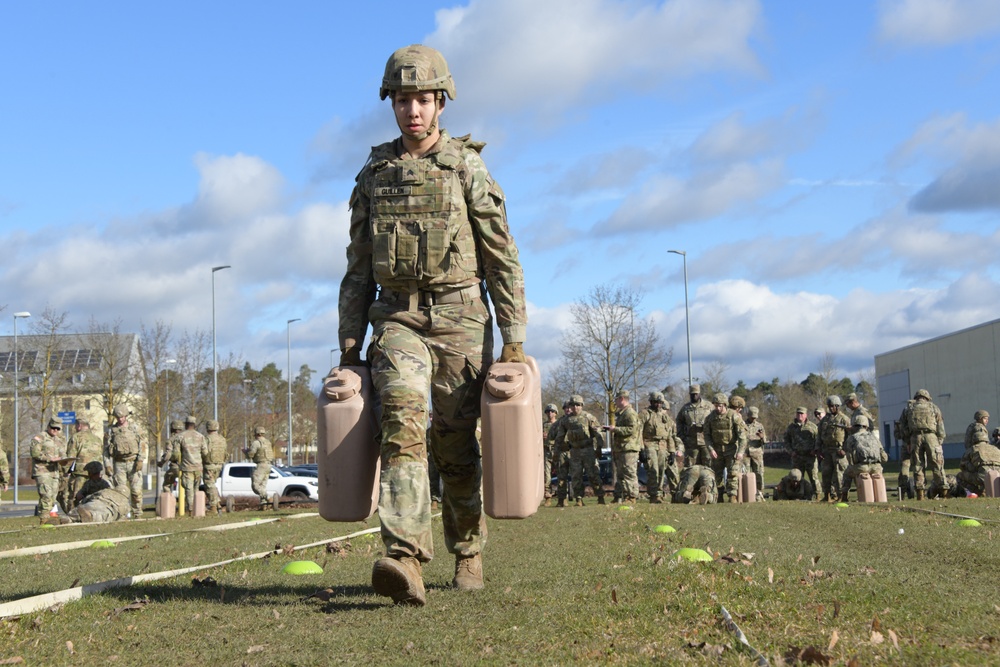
x=235, y=481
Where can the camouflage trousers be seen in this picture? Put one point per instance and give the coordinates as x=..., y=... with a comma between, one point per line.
x=808, y=466
x=927, y=452
x=854, y=470
x=75, y=483
x=973, y=481
x=99, y=512
x=547, y=469
x=258, y=480
x=447, y=348
x=695, y=479
x=661, y=467
x=189, y=482
x=627, y=483
x=833, y=472
x=209, y=474
x=583, y=460
x=563, y=487
x=697, y=454
x=726, y=463
x=433, y=479
x=170, y=475
x=128, y=475
x=754, y=462
x=48, y=489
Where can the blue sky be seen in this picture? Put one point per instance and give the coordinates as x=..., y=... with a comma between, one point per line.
x=830, y=168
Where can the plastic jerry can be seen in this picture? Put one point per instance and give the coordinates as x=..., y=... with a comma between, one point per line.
x=199, y=504
x=866, y=490
x=165, y=508
x=748, y=487
x=512, y=440
x=878, y=486
x=992, y=489
x=347, y=454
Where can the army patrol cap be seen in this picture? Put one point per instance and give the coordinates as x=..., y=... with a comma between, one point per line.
x=177, y=425
x=833, y=400
x=736, y=402
x=120, y=411
x=623, y=393
x=801, y=410
x=551, y=407
x=576, y=399
x=720, y=399
x=861, y=420
x=55, y=423
x=795, y=475
x=260, y=430
x=94, y=467
x=416, y=68
x=922, y=393
x=211, y=425
x=190, y=420
x=754, y=411
x=694, y=389
x=980, y=414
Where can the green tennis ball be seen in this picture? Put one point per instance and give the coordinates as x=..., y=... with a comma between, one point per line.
x=842, y=505
x=302, y=567
x=624, y=508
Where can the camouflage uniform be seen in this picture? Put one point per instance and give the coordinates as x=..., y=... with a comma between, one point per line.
x=91, y=486
x=726, y=434
x=582, y=433
x=260, y=452
x=625, y=451
x=430, y=232
x=976, y=461
x=690, y=427
x=433, y=476
x=4, y=471
x=793, y=487
x=194, y=449
x=171, y=456
x=46, y=450
x=104, y=506
x=697, y=480
x=901, y=432
x=802, y=441
x=977, y=431
x=925, y=424
x=832, y=433
x=659, y=437
x=125, y=445
x=85, y=446
x=215, y=455
x=548, y=446
x=561, y=459
x=756, y=437
x=864, y=450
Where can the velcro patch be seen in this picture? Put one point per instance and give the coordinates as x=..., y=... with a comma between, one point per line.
x=393, y=191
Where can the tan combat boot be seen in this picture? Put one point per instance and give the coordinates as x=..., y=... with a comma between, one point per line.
x=400, y=579
x=579, y=502
x=920, y=494
x=468, y=573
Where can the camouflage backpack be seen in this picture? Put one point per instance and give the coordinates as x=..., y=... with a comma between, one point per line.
x=867, y=449
x=124, y=441
x=922, y=417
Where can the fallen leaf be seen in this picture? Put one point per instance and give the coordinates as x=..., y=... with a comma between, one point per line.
x=809, y=655
x=894, y=639
x=748, y=556
x=815, y=560
x=255, y=649
x=276, y=614
x=598, y=587
x=289, y=549
x=75, y=582
x=876, y=624
x=16, y=660
x=877, y=637
x=799, y=559
x=836, y=608
x=658, y=560
x=69, y=647
x=323, y=595
x=770, y=576
x=834, y=638
x=614, y=595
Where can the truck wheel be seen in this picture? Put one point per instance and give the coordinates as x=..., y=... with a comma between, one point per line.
x=298, y=496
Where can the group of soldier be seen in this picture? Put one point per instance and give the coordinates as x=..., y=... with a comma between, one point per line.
x=71, y=474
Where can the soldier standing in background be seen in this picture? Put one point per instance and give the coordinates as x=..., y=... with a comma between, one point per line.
x=901, y=431
x=625, y=448
x=658, y=433
x=549, y=417
x=47, y=449
x=429, y=237
x=725, y=435
x=926, y=427
x=854, y=405
x=802, y=441
x=4, y=471
x=260, y=452
x=561, y=458
x=977, y=431
x=194, y=449
x=124, y=444
x=756, y=438
x=832, y=433
x=691, y=427
x=582, y=432
x=85, y=446
x=171, y=456
x=215, y=455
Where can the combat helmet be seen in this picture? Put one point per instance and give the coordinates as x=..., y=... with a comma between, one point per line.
x=176, y=425
x=861, y=420
x=833, y=400
x=737, y=402
x=259, y=430
x=416, y=68
x=922, y=393
x=720, y=399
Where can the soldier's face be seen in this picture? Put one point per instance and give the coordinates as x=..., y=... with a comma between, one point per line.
x=550, y=415
x=833, y=409
x=720, y=408
x=53, y=431
x=800, y=418
x=416, y=113
x=984, y=420
x=575, y=409
x=621, y=403
x=695, y=397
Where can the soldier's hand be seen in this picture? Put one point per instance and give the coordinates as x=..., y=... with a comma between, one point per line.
x=739, y=457
x=512, y=353
x=712, y=452
x=351, y=357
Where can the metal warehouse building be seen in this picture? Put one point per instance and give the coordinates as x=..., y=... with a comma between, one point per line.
x=961, y=370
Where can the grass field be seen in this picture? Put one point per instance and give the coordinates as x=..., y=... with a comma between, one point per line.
x=875, y=584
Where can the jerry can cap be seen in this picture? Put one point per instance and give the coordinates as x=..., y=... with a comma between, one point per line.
x=505, y=382
x=341, y=384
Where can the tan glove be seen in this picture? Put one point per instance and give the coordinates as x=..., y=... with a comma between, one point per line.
x=351, y=357
x=512, y=352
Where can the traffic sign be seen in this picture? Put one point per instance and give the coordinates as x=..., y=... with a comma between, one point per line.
x=67, y=417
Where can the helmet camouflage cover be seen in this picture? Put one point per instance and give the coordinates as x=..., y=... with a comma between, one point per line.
x=416, y=68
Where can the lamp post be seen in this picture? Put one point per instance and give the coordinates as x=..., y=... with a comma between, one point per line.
x=687, y=312
x=166, y=423
x=215, y=354
x=17, y=439
x=288, y=348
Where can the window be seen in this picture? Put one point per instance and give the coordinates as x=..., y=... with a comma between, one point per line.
x=67, y=405
x=241, y=471
x=86, y=404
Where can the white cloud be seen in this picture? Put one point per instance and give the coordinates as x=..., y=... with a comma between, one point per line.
x=733, y=138
x=937, y=22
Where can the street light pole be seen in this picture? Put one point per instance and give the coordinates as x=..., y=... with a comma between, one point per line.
x=687, y=312
x=288, y=348
x=215, y=354
x=17, y=439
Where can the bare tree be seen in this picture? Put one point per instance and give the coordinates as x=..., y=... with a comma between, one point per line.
x=611, y=347
x=715, y=379
x=48, y=376
x=154, y=345
x=193, y=354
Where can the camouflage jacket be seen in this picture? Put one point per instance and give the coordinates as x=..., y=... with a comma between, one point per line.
x=216, y=450
x=549, y=433
x=86, y=446
x=124, y=443
x=194, y=450
x=625, y=437
x=578, y=431
x=433, y=223
x=658, y=429
x=172, y=450
x=802, y=438
x=975, y=434
x=691, y=422
x=980, y=457
x=43, y=448
x=4, y=468
x=788, y=490
x=726, y=432
x=756, y=437
x=833, y=431
x=260, y=450
x=92, y=486
x=110, y=497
